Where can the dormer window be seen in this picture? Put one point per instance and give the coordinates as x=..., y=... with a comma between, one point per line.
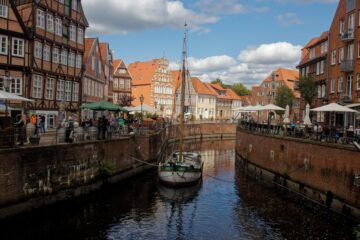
x=4, y=8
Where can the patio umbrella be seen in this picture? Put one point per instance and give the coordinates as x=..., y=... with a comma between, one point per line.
x=103, y=106
x=272, y=107
x=333, y=107
x=307, y=120
x=10, y=96
x=287, y=115
x=144, y=108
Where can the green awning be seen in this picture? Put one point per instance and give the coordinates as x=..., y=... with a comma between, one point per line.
x=103, y=106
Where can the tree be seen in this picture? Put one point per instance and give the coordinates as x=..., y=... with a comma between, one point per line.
x=125, y=100
x=284, y=96
x=240, y=89
x=307, y=88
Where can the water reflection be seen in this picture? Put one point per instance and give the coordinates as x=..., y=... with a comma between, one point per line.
x=225, y=205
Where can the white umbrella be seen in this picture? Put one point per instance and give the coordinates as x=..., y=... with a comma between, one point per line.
x=244, y=109
x=10, y=96
x=307, y=120
x=272, y=107
x=144, y=108
x=287, y=115
x=333, y=107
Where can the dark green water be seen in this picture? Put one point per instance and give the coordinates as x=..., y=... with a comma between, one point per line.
x=226, y=205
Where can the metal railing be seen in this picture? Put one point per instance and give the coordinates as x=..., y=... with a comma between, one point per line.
x=327, y=135
x=347, y=65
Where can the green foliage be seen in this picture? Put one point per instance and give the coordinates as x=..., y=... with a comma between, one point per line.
x=240, y=89
x=105, y=170
x=151, y=115
x=307, y=89
x=137, y=115
x=357, y=232
x=284, y=96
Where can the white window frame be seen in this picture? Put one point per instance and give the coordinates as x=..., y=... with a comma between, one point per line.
x=50, y=89
x=58, y=27
x=80, y=35
x=50, y=22
x=38, y=50
x=332, y=85
x=340, y=85
x=333, y=57
x=46, y=53
x=60, y=86
x=341, y=54
x=40, y=23
x=64, y=58
x=18, y=47
x=37, y=86
x=16, y=86
x=78, y=61
x=68, y=90
x=358, y=82
x=55, y=55
x=4, y=8
x=75, y=92
x=342, y=27
x=4, y=44
x=72, y=32
x=71, y=60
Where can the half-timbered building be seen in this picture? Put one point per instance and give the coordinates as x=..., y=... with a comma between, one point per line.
x=107, y=61
x=57, y=30
x=122, y=84
x=14, y=53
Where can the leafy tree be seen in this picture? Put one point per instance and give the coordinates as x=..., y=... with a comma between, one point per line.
x=240, y=89
x=125, y=100
x=307, y=88
x=284, y=96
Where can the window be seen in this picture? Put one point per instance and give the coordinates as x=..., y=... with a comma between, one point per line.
x=342, y=27
x=64, y=57
x=58, y=27
x=358, y=82
x=37, y=86
x=333, y=57
x=341, y=54
x=60, y=90
x=61, y=1
x=16, y=86
x=318, y=68
x=350, y=5
x=349, y=79
x=68, y=86
x=4, y=8
x=50, y=23
x=122, y=84
x=332, y=86
x=3, y=44
x=80, y=36
x=73, y=33
x=74, y=5
x=323, y=90
x=41, y=18
x=55, y=55
x=351, y=23
x=46, y=53
x=312, y=53
x=324, y=47
x=127, y=84
x=350, y=54
x=78, y=61
x=75, y=93
x=71, y=59
x=50, y=89
x=38, y=50
x=18, y=47
x=340, y=83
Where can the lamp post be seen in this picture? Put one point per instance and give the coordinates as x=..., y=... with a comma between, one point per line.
x=155, y=105
x=141, y=101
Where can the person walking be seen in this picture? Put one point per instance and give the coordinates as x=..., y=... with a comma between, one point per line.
x=42, y=124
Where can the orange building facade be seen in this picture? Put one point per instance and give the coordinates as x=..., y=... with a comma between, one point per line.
x=155, y=82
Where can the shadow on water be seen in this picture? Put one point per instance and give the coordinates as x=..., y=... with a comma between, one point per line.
x=225, y=205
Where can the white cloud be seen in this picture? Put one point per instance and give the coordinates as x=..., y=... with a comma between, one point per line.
x=220, y=7
x=251, y=66
x=114, y=16
x=288, y=19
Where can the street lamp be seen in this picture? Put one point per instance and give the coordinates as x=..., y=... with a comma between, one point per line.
x=141, y=101
x=155, y=105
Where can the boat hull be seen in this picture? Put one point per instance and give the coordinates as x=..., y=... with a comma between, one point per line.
x=179, y=178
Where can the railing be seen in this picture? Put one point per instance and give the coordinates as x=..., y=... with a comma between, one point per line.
x=347, y=36
x=347, y=65
x=326, y=136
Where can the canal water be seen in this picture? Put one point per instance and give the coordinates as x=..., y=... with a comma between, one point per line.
x=225, y=205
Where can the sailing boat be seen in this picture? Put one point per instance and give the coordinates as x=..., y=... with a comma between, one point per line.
x=181, y=168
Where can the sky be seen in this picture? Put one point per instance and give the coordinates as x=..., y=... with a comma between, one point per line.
x=236, y=40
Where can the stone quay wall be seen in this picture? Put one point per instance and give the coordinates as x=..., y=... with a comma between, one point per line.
x=31, y=177
x=328, y=174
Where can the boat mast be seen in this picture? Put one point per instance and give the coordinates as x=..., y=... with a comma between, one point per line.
x=182, y=97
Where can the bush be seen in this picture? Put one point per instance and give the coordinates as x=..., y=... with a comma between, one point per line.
x=105, y=170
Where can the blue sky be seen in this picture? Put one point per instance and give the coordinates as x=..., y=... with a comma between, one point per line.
x=238, y=41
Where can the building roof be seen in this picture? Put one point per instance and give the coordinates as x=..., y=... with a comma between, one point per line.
x=89, y=42
x=117, y=63
x=217, y=86
x=143, y=72
x=288, y=76
x=232, y=94
x=313, y=42
x=104, y=47
x=177, y=76
x=201, y=87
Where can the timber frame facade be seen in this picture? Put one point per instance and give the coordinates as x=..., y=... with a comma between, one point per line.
x=57, y=30
x=14, y=52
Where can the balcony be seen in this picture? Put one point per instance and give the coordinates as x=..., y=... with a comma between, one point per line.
x=347, y=36
x=347, y=66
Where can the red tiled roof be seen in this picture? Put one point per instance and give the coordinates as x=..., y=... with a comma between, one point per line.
x=143, y=72
x=103, y=51
x=232, y=94
x=201, y=87
x=217, y=86
x=89, y=42
x=117, y=63
x=177, y=76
